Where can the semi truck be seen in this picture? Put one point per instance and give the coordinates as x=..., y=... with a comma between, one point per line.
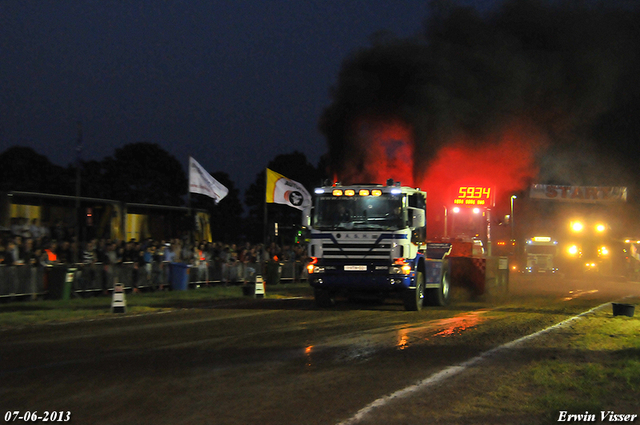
x=587, y=221
x=371, y=239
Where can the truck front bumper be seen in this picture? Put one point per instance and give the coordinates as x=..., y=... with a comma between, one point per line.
x=361, y=282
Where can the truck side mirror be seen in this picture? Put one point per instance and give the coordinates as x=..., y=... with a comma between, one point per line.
x=306, y=216
x=417, y=218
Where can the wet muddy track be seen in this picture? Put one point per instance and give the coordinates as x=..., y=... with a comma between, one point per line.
x=265, y=361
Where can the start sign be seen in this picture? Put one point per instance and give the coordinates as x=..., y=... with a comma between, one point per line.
x=584, y=194
x=473, y=196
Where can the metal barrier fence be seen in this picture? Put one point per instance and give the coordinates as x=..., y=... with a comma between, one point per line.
x=36, y=280
x=21, y=279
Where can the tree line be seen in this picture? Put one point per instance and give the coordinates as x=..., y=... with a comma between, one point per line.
x=144, y=172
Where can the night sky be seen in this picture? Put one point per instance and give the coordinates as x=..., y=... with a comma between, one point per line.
x=549, y=90
x=231, y=83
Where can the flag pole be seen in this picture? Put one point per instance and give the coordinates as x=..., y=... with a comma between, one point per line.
x=190, y=213
x=264, y=228
x=189, y=184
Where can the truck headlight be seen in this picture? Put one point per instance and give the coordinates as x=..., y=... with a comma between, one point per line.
x=400, y=267
x=313, y=268
x=576, y=226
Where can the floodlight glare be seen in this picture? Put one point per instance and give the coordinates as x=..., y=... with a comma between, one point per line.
x=577, y=226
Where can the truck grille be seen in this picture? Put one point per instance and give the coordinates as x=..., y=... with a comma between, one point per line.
x=365, y=250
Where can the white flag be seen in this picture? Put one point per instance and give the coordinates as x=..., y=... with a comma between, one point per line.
x=201, y=182
x=281, y=190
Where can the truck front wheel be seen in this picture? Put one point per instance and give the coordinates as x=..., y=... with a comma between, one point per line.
x=440, y=296
x=414, y=297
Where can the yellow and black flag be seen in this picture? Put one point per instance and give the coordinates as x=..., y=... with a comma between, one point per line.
x=281, y=190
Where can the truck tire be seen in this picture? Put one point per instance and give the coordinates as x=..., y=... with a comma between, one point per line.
x=440, y=296
x=323, y=298
x=414, y=298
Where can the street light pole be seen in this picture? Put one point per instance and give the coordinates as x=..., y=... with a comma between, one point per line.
x=489, y=248
x=513, y=197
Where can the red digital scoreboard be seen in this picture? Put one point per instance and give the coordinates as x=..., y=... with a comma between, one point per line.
x=473, y=196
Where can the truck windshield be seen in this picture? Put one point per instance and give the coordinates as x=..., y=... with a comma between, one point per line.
x=361, y=213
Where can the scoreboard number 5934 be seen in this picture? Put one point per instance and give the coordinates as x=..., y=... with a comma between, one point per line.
x=474, y=192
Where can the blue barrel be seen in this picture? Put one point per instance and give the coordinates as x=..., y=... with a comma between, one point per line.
x=179, y=276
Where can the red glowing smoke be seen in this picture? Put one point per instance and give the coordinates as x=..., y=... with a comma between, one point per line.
x=507, y=165
x=382, y=150
x=505, y=162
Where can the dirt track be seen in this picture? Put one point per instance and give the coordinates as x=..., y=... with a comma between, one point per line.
x=267, y=361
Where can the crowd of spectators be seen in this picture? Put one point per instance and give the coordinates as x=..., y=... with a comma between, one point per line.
x=29, y=243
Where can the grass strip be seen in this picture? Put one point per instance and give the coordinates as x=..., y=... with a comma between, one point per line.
x=590, y=367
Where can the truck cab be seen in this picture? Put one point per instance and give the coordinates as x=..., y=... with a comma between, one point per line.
x=370, y=239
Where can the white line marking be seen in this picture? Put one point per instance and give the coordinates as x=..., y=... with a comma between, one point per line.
x=451, y=371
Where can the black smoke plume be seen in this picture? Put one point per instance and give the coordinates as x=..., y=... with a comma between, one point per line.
x=567, y=71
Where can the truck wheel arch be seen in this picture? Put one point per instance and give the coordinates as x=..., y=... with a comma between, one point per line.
x=441, y=295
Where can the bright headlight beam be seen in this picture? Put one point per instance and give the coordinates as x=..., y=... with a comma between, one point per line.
x=577, y=226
